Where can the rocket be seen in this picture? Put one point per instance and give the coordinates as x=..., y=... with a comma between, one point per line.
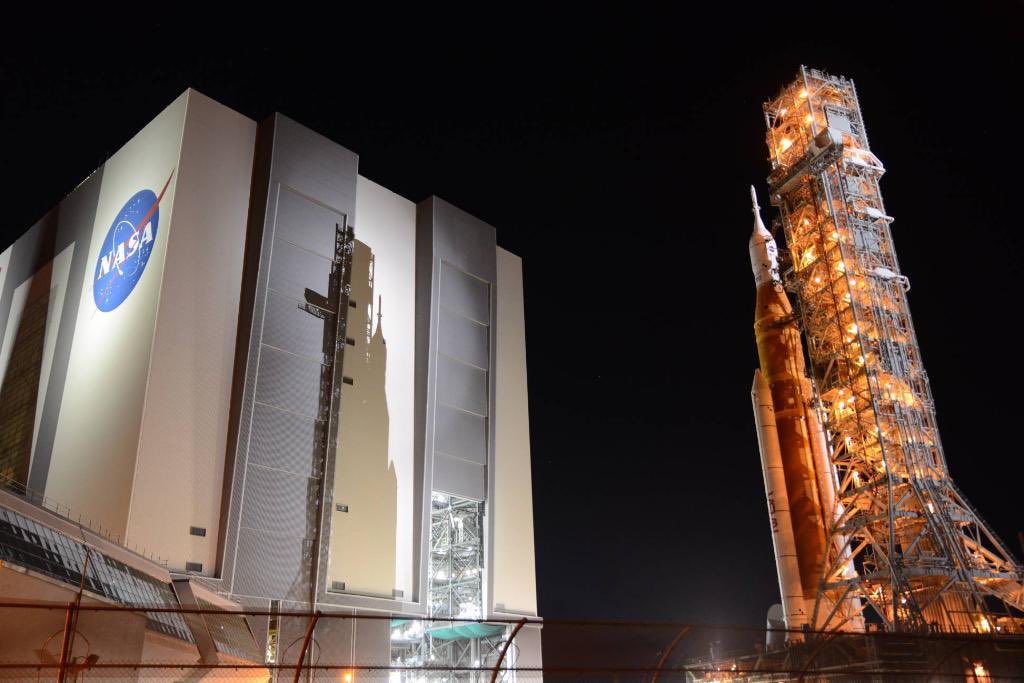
x=794, y=455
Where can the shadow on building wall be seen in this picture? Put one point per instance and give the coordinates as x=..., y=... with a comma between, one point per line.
x=364, y=512
x=362, y=550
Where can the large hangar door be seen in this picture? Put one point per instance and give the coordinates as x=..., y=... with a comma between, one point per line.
x=292, y=401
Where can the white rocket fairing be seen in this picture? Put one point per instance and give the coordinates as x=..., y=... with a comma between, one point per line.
x=790, y=587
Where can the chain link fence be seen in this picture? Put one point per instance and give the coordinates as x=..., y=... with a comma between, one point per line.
x=94, y=641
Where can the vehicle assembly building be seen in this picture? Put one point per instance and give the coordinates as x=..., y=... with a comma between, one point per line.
x=301, y=391
x=869, y=529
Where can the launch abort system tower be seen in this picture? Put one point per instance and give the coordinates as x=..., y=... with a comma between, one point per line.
x=901, y=544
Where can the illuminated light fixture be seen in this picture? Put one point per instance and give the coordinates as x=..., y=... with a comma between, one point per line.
x=984, y=626
x=347, y=678
x=853, y=328
x=803, y=94
x=785, y=144
x=817, y=280
x=931, y=508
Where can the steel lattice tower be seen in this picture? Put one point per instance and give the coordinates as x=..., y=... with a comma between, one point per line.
x=903, y=542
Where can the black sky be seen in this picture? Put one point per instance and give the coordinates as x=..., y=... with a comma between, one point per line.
x=615, y=159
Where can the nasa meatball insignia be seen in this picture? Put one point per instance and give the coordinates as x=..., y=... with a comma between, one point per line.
x=126, y=248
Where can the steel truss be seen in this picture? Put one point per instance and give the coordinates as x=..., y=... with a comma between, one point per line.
x=904, y=543
x=456, y=590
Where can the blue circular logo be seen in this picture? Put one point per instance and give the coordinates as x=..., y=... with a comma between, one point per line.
x=126, y=250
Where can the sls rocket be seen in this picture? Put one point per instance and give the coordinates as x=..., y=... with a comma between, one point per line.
x=794, y=452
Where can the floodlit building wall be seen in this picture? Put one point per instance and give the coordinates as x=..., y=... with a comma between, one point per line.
x=206, y=395
x=92, y=461
x=180, y=466
x=371, y=546
x=515, y=585
x=131, y=404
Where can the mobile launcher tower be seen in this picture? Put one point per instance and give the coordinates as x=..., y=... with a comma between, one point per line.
x=868, y=526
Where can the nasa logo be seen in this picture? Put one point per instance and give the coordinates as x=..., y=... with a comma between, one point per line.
x=126, y=248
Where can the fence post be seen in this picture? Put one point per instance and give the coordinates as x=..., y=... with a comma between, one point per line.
x=62, y=669
x=305, y=645
x=497, y=665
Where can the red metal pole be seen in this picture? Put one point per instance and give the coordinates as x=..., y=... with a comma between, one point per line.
x=305, y=645
x=504, y=649
x=668, y=653
x=66, y=643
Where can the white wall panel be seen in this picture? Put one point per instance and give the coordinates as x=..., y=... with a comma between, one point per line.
x=515, y=588
x=180, y=469
x=385, y=231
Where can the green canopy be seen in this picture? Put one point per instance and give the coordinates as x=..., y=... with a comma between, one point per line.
x=465, y=630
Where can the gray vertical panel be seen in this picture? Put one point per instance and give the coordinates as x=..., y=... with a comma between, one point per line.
x=458, y=348
x=270, y=566
x=288, y=381
x=463, y=339
x=277, y=501
x=461, y=385
x=465, y=241
x=459, y=477
x=282, y=440
x=464, y=294
x=300, y=221
x=294, y=268
x=461, y=434
x=309, y=185
x=288, y=326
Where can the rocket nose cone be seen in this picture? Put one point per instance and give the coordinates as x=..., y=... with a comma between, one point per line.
x=763, y=251
x=760, y=233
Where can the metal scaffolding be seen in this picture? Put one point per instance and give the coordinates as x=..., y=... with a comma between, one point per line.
x=456, y=590
x=905, y=546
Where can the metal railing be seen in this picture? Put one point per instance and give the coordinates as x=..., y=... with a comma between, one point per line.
x=66, y=513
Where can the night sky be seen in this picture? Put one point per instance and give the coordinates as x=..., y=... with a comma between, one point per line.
x=615, y=158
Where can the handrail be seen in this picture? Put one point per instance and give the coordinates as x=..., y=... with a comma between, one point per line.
x=65, y=512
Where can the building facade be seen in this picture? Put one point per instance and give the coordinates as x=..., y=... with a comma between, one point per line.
x=299, y=388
